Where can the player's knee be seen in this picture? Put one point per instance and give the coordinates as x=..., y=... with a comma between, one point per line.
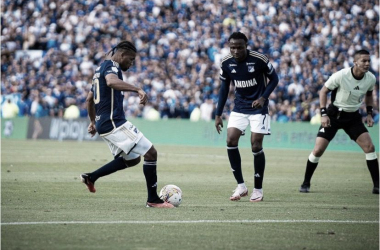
x=369, y=148
x=231, y=142
x=317, y=152
x=151, y=155
x=133, y=162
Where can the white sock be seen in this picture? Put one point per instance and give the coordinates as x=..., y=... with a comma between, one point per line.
x=241, y=185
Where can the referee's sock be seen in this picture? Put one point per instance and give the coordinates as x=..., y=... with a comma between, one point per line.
x=259, y=164
x=311, y=165
x=150, y=172
x=373, y=167
x=235, y=162
x=107, y=169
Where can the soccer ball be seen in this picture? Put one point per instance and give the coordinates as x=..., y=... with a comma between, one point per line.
x=171, y=194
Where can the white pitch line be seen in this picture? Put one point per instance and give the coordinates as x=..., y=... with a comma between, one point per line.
x=186, y=222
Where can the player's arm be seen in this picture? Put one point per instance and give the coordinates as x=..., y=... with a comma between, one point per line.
x=369, y=103
x=91, y=113
x=114, y=82
x=325, y=120
x=223, y=94
x=272, y=84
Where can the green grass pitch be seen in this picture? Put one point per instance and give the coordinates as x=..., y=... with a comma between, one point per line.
x=45, y=206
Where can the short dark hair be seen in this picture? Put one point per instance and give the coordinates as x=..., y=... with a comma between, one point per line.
x=124, y=45
x=361, y=52
x=238, y=35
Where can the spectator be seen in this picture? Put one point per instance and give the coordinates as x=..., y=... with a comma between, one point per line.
x=9, y=109
x=180, y=50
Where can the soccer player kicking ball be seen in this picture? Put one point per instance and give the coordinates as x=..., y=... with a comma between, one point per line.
x=348, y=87
x=249, y=72
x=105, y=109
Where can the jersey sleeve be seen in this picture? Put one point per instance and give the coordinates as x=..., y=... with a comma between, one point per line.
x=224, y=75
x=333, y=81
x=110, y=68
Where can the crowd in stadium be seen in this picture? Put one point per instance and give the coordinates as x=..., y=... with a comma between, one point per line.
x=49, y=50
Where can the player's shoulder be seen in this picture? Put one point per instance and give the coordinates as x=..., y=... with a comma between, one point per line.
x=109, y=66
x=258, y=56
x=226, y=59
x=371, y=76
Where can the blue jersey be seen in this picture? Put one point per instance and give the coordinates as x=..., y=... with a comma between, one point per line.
x=108, y=101
x=250, y=80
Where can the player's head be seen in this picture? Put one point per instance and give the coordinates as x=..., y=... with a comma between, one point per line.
x=238, y=45
x=362, y=60
x=124, y=53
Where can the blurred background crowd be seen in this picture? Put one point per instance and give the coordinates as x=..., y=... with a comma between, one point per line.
x=50, y=48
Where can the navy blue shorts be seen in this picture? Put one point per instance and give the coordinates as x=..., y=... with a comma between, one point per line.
x=351, y=123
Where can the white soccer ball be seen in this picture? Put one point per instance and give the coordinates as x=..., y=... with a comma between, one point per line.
x=171, y=194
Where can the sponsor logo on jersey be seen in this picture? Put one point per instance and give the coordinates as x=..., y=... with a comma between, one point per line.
x=250, y=63
x=233, y=71
x=251, y=69
x=96, y=75
x=232, y=65
x=356, y=88
x=245, y=84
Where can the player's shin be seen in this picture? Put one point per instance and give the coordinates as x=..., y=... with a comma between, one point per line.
x=259, y=165
x=109, y=168
x=311, y=165
x=150, y=172
x=235, y=162
x=373, y=167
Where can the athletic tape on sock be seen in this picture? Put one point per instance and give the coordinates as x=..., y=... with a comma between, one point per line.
x=313, y=158
x=371, y=156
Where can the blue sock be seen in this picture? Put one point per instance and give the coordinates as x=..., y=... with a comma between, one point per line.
x=259, y=164
x=235, y=161
x=150, y=172
x=109, y=168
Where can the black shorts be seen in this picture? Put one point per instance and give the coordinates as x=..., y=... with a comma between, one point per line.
x=351, y=123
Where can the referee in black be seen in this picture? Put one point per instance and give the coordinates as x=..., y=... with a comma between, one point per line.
x=349, y=87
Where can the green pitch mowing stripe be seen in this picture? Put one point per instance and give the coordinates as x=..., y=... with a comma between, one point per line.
x=185, y=222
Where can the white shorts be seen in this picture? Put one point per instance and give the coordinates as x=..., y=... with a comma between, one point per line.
x=127, y=141
x=259, y=124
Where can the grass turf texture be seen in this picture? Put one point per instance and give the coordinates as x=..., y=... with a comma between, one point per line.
x=40, y=183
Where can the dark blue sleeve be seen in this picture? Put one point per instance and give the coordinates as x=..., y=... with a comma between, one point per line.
x=223, y=94
x=273, y=81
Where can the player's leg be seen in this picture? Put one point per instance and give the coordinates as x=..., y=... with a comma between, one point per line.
x=236, y=125
x=312, y=162
x=150, y=173
x=118, y=142
x=259, y=165
x=324, y=136
x=260, y=126
x=365, y=142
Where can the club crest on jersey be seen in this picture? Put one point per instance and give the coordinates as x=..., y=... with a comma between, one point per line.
x=114, y=69
x=251, y=69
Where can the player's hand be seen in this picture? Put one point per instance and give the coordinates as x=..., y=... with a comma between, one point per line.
x=370, y=121
x=91, y=129
x=218, y=124
x=143, y=96
x=258, y=103
x=325, y=121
